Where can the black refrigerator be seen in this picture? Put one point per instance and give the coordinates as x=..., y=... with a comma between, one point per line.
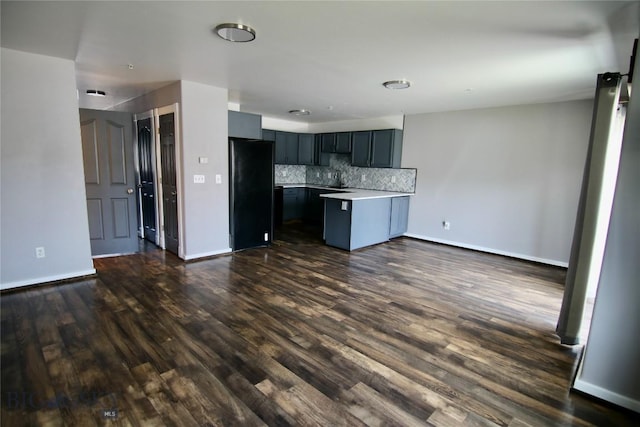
x=251, y=172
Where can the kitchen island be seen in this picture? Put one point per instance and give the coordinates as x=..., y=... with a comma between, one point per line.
x=357, y=218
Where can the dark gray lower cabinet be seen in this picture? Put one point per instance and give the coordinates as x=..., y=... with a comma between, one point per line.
x=293, y=202
x=314, y=209
x=353, y=224
x=304, y=203
x=399, y=216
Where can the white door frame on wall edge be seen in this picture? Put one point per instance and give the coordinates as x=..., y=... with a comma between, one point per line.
x=489, y=250
x=607, y=395
x=175, y=109
x=48, y=279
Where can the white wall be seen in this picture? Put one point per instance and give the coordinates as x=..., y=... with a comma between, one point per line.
x=386, y=122
x=43, y=193
x=507, y=179
x=202, y=126
x=162, y=97
x=204, y=121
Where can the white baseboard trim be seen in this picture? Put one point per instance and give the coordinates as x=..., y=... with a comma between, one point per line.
x=488, y=250
x=206, y=254
x=112, y=255
x=47, y=279
x=607, y=395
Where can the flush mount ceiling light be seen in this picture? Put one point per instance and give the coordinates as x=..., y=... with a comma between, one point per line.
x=94, y=92
x=235, y=32
x=300, y=112
x=397, y=84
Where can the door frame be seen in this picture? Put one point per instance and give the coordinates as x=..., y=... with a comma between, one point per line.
x=168, y=109
x=155, y=170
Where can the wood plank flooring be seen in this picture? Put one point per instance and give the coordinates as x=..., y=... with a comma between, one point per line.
x=404, y=333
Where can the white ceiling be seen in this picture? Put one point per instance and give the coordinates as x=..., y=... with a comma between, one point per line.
x=331, y=57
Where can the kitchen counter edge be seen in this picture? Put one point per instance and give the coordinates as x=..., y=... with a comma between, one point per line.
x=349, y=193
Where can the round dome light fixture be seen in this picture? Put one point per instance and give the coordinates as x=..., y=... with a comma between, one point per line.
x=301, y=112
x=397, y=84
x=235, y=32
x=95, y=92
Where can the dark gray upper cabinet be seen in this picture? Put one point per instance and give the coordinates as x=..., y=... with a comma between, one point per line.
x=343, y=142
x=268, y=135
x=306, y=149
x=244, y=125
x=286, y=148
x=386, y=148
x=377, y=148
x=360, y=148
x=322, y=159
x=328, y=142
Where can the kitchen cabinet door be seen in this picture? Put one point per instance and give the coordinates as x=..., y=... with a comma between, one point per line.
x=286, y=148
x=292, y=148
x=360, y=148
x=343, y=142
x=328, y=143
x=381, y=148
x=244, y=125
x=281, y=148
x=306, y=149
x=386, y=148
x=268, y=135
x=322, y=159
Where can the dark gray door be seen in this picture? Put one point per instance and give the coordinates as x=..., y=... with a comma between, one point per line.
x=169, y=182
x=107, y=149
x=146, y=160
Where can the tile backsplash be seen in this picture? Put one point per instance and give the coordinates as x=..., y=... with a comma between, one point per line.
x=340, y=172
x=291, y=174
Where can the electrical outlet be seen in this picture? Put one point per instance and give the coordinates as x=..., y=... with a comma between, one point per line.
x=284, y=172
x=266, y=237
x=40, y=252
x=218, y=179
x=446, y=225
x=329, y=175
x=198, y=179
x=364, y=178
x=393, y=179
x=317, y=174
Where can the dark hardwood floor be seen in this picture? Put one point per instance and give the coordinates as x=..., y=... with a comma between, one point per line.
x=403, y=333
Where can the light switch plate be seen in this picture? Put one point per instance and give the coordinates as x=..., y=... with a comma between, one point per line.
x=203, y=160
x=218, y=179
x=198, y=179
x=344, y=205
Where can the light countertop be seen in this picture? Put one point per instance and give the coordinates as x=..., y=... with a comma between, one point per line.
x=349, y=193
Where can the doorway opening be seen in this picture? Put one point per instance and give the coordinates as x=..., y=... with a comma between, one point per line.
x=158, y=174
